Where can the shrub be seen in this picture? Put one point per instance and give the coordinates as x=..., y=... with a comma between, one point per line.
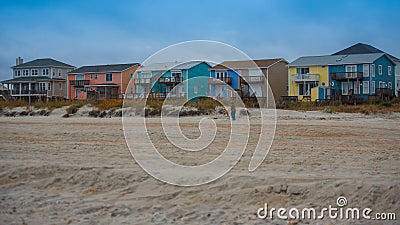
x=386, y=104
x=72, y=109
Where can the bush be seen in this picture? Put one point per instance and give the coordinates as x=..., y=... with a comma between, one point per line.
x=386, y=104
x=94, y=113
x=72, y=109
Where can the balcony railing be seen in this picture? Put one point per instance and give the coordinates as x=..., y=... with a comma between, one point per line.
x=227, y=80
x=305, y=77
x=79, y=82
x=347, y=76
x=141, y=81
x=28, y=92
x=170, y=80
x=165, y=94
x=254, y=79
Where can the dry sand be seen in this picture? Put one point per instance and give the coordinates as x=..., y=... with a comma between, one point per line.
x=79, y=170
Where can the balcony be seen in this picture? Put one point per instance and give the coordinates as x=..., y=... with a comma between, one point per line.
x=305, y=77
x=347, y=76
x=80, y=83
x=227, y=80
x=28, y=92
x=254, y=79
x=170, y=80
x=142, y=81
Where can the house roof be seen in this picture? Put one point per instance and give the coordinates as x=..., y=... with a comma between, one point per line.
x=32, y=79
x=336, y=59
x=158, y=66
x=245, y=64
x=361, y=48
x=42, y=63
x=103, y=68
x=188, y=65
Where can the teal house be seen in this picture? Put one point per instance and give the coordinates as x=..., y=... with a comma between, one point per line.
x=185, y=80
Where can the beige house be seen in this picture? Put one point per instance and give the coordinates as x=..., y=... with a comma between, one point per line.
x=38, y=78
x=241, y=75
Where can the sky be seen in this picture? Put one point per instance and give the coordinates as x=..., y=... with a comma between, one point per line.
x=90, y=32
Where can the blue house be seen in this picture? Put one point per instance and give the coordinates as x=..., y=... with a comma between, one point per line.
x=350, y=77
x=159, y=80
x=194, y=75
x=362, y=75
x=146, y=76
x=361, y=48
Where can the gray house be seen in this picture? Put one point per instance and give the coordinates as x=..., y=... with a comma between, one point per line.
x=38, y=78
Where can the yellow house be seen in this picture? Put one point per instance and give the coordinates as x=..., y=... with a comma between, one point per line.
x=307, y=78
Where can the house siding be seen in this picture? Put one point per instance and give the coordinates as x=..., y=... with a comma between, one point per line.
x=277, y=79
x=322, y=71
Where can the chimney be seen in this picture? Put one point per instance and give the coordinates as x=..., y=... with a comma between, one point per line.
x=19, y=61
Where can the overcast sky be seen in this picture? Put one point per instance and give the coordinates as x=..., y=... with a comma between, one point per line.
x=105, y=32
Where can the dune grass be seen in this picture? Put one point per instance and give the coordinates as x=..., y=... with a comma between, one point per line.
x=372, y=107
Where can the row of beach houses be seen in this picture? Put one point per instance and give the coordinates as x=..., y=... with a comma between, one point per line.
x=357, y=73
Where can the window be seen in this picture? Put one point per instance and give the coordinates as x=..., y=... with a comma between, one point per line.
x=351, y=68
x=389, y=70
x=79, y=77
x=108, y=77
x=176, y=74
x=59, y=72
x=390, y=85
x=95, y=76
x=373, y=70
x=372, y=87
x=221, y=74
x=45, y=72
x=131, y=90
x=34, y=72
x=18, y=73
x=380, y=69
x=60, y=86
x=381, y=84
x=91, y=76
x=42, y=86
x=131, y=76
x=366, y=70
x=365, y=87
x=25, y=72
x=304, y=70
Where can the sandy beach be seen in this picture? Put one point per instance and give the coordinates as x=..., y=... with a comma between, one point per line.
x=79, y=170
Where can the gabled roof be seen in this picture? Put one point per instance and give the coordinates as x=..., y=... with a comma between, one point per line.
x=189, y=65
x=158, y=67
x=247, y=64
x=103, y=68
x=42, y=63
x=337, y=59
x=32, y=79
x=361, y=48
